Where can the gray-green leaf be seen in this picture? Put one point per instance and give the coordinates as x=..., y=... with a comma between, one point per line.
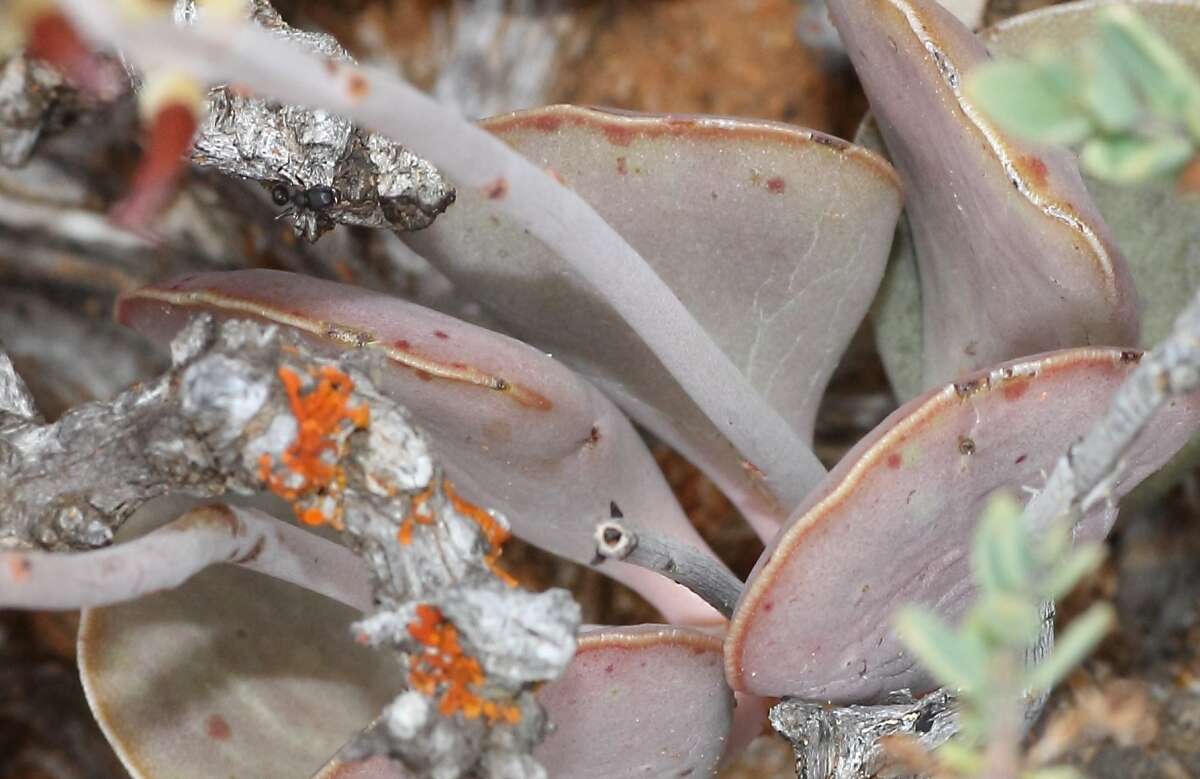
x=1001, y=556
x=1024, y=99
x=956, y=660
x=1072, y=647
x=1128, y=159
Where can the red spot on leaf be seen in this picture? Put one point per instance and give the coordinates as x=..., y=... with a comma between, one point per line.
x=441, y=334
x=19, y=568
x=547, y=124
x=217, y=728
x=617, y=135
x=893, y=461
x=621, y=166
x=1013, y=390
x=496, y=190
x=357, y=86
x=768, y=606
x=776, y=185
x=424, y=375
x=1034, y=169
x=402, y=344
x=608, y=668
x=1020, y=459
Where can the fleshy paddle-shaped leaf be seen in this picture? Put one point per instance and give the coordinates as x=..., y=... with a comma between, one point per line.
x=638, y=701
x=772, y=236
x=1155, y=224
x=516, y=430
x=232, y=674
x=894, y=521
x=1013, y=256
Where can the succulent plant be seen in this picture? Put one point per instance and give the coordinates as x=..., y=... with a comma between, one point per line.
x=700, y=276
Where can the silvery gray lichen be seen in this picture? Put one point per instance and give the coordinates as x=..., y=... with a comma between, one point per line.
x=319, y=167
x=203, y=429
x=843, y=742
x=34, y=100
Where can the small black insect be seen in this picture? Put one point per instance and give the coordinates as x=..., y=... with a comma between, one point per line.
x=281, y=195
x=316, y=198
x=319, y=198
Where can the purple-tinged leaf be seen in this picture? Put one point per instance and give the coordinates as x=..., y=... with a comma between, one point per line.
x=232, y=674
x=475, y=159
x=773, y=237
x=1014, y=258
x=166, y=557
x=648, y=700
x=893, y=522
x=515, y=429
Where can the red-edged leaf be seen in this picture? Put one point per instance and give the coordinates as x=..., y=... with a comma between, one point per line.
x=893, y=523
x=773, y=236
x=648, y=700
x=1014, y=258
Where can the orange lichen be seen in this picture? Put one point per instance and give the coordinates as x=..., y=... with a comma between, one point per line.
x=442, y=669
x=415, y=516
x=311, y=478
x=495, y=533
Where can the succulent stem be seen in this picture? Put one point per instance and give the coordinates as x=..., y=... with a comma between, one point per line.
x=699, y=572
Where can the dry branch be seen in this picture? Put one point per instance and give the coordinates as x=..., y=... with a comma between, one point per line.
x=248, y=407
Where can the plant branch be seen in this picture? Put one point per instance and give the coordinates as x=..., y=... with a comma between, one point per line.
x=248, y=407
x=1087, y=473
x=699, y=572
x=167, y=557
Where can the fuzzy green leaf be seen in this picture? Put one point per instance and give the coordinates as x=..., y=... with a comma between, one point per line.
x=1072, y=647
x=1161, y=74
x=960, y=758
x=1001, y=555
x=1110, y=97
x=1007, y=619
x=1127, y=159
x=1025, y=99
x=957, y=660
x=1062, y=577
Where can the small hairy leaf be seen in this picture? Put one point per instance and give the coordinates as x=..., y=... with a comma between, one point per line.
x=960, y=758
x=957, y=660
x=1072, y=647
x=1063, y=575
x=1128, y=159
x=1109, y=96
x=1001, y=559
x=1161, y=74
x=1008, y=619
x=1024, y=99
